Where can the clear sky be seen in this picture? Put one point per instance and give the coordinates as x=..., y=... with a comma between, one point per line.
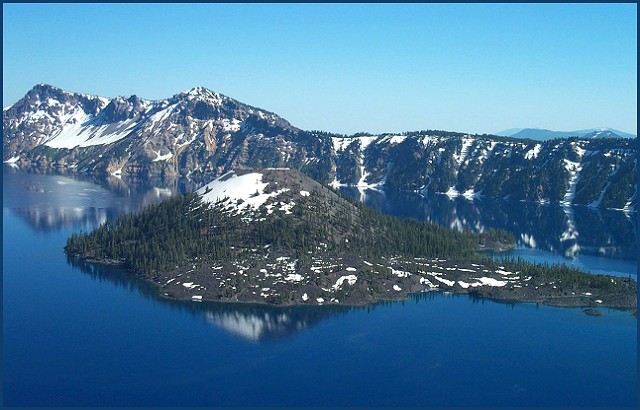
x=345, y=68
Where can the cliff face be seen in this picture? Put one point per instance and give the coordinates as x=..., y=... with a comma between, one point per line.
x=199, y=134
x=595, y=172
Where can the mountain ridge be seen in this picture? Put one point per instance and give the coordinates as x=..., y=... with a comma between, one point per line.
x=199, y=134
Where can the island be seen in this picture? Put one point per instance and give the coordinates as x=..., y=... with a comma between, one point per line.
x=275, y=236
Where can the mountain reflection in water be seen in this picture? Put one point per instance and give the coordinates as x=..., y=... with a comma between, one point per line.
x=50, y=203
x=251, y=322
x=105, y=338
x=568, y=231
x=247, y=321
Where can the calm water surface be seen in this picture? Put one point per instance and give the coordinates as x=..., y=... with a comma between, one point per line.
x=600, y=241
x=81, y=335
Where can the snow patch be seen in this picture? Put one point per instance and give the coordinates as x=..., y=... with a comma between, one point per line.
x=392, y=139
x=340, y=144
x=162, y=157
x=533, y=153
x=400, y=273
x=466, y=285
x=574, y=169
x=425, y=281
x=248, y=188
x=351, y=279
x=82, y=130
x=491, y=281
x=596, y=202
x=445, y=281
x=293, y=277
x=464, y=150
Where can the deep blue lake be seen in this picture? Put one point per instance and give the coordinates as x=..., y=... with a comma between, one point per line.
x=98, y=337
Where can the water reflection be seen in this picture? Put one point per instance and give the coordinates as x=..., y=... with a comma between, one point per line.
x=252, y=322
x=50, y=203
x=53, y=202
x=569, y=231
x=247, y=321
x=258, y=323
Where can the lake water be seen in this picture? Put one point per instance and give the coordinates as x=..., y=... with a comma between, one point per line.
x=88, y=336
x=599, y=241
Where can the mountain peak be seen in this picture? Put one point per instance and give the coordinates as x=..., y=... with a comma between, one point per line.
x=45, y=98
x=123, y=108
x=44, y=86
x=247, y=190
x=46, y=90
x=200, y=92
x=601, y=133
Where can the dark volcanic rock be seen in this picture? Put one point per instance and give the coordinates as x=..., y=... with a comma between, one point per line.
x=285, y=239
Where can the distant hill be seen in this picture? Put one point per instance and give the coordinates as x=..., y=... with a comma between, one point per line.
x=509, y=132
x=544, y=134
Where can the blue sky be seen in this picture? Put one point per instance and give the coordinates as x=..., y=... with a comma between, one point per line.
x=345, y=68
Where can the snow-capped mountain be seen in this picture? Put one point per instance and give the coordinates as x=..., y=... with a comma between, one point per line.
x=199, y=135
x=196, y=131
x=594, y=172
